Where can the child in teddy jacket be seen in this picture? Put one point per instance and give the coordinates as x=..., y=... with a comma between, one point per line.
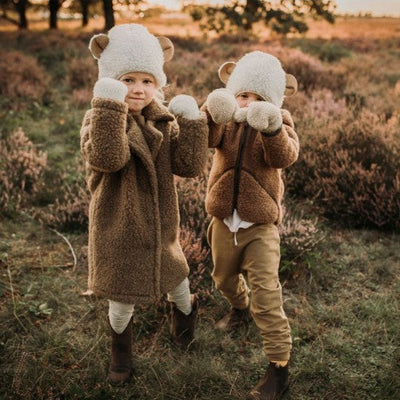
x=133, y=145
x=253, y=140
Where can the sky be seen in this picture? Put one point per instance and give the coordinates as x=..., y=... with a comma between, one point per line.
x=375, y=7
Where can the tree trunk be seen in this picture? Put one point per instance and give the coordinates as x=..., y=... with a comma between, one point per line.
x=21, y=9
x=54, y=6
x=108, y=14
x=251, y=10
x=85, y=12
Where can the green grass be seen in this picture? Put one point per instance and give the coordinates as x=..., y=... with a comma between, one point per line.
x=54, y=342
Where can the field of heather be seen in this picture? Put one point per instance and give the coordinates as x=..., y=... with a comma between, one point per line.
x=340, y=235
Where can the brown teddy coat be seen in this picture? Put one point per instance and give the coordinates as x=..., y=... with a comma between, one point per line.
x=134, y=250
x=246, y=170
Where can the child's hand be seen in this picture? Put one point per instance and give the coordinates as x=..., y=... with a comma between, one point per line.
x=221, y=105
x=184, y=106
x=108, y=88
x=264, y=117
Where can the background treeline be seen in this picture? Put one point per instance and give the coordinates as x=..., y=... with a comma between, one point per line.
x=16, y=11
x=280, y=16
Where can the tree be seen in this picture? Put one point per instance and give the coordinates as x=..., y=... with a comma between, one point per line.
x=282, y=16
x=108, y=14
x=108, y=9
x=54, y=6
x=20, y=7
x=85, y=11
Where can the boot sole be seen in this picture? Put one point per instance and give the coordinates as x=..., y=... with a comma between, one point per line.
x=122, y=381
x=285, y=395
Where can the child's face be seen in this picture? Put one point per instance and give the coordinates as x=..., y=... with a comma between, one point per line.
x=245, y=98
x=141, y=89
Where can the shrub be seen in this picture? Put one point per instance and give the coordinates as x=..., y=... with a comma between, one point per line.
x=299, y=236
x=81, y=73
x=197, y=82
x=310, y=73
x=188, y=44
x=69, y=210
x=191, y=197
x=194, y=222
x=320, y=107
x=332, y=52
x=82, y=97
x=307, y=70
x=22, y=80
x=55, y=50
x=21, y=169
x=352, y=171
x=199, y=260
x=328, y=51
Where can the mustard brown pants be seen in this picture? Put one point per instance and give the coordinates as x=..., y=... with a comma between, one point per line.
x=256, y=256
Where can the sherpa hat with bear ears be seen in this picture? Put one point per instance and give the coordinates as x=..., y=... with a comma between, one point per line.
x=260, y=73
x=131, y=48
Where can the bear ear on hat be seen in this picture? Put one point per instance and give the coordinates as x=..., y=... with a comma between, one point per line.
x=97, y=44
x=167, y=47
x=225, y=70
x=291, y=85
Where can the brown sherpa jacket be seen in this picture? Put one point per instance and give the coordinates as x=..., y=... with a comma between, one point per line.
x=134, y=250
x=246, y=170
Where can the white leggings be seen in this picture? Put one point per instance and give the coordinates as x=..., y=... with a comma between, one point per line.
x=120, y=314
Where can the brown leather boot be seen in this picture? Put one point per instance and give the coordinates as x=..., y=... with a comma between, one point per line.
x=274, y=385
x=182, y=326
x=121, y=356
x=234, y=319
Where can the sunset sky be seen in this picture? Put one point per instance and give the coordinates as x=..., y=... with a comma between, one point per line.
x=376, y=7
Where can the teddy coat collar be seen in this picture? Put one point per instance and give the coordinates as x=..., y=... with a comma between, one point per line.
x=144, y=138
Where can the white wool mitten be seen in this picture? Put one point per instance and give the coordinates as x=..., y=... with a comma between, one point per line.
x=264, y=116
x=109, y=88
x=222, y=105
x=184, y=106
x=241, y=114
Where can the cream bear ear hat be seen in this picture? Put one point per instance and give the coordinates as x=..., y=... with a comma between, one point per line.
x=260, y=73
x=131, y=48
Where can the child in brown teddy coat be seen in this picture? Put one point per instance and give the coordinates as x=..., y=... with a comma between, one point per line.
x=253, y=140
x=133, y=145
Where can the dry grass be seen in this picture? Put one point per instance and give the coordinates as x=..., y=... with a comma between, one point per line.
x=54, y=343
x=355, y=27
x=176, y=24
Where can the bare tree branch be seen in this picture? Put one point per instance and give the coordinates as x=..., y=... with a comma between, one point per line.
x=70, y=247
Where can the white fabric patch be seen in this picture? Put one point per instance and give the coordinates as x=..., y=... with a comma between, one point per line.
x=119, y=315
x=181, y=297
